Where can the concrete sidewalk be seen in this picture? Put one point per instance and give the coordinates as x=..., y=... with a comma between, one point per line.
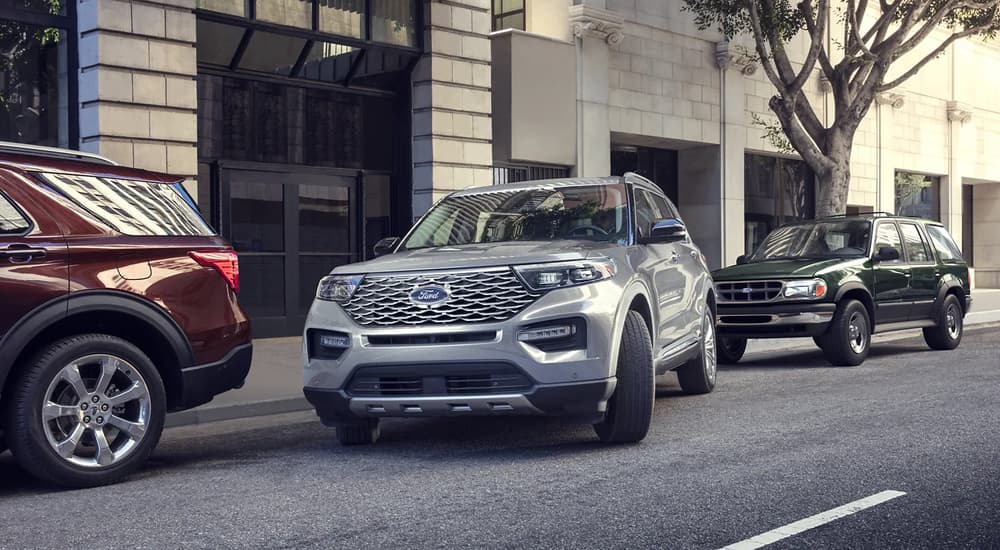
x=275, y=382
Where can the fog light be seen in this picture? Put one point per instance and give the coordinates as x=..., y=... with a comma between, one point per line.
x=335, y=341
x=546, y=333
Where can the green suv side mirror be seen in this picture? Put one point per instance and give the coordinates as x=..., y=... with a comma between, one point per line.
x=743, y=259
x=887, y=254
x=385, y=246
x=666, y=231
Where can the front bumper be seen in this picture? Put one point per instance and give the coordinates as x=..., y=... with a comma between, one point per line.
x=774, y=321
x=581, y=399
x=577, y=380
x=201, y=383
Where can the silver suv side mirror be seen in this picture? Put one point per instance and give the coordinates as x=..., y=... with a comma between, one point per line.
x=385, y=246
x=666, y=231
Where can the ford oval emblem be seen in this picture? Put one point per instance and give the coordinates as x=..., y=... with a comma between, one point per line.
x=429, y=295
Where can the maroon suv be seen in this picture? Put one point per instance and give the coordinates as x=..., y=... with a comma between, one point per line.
x=117, y=305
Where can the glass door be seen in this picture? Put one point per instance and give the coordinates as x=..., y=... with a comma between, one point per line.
x=291, y=226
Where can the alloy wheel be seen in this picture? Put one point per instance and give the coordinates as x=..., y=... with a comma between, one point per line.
x=953, y=321
x=96, y=411
x=858, y=333
x=708, y=348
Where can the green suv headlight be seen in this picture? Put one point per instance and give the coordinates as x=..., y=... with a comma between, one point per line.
x=338, y=288
x=541, y=277
x=806, y=289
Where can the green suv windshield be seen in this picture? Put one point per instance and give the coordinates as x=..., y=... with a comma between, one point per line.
x=816, y=240
x=592, y=212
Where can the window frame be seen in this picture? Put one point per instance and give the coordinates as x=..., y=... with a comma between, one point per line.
x=937, y=253
x=67, y=23
x=496, y=17
x=928, y=250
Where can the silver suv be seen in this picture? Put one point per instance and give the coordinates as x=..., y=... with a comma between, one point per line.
x=554, y=297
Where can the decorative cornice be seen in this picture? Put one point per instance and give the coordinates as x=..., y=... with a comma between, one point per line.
x=959, y=112
x=726, y=56
x=592, y=22
x=888, y=98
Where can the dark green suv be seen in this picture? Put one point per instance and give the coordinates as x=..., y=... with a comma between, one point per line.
x=839, y=280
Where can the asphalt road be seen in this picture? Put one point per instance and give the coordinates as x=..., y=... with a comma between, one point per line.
x=784, y=436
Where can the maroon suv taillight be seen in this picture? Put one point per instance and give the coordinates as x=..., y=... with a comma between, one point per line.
x=226, y=262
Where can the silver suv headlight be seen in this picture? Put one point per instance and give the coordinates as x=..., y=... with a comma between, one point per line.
x=541, y=277
x=338, y=288
x=806, y=289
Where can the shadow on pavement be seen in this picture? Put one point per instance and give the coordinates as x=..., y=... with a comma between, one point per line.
x=813, y=358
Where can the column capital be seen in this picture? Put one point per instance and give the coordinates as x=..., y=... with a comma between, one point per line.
x=959, y=112
x=727, y=55
x=597, y=23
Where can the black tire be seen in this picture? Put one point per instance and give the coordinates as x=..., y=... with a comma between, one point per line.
x=841, y=345
x=948, y=332
x=363, y=431
x=731, y=349
x=698, y=375
x=26, y=430
x=630, y=409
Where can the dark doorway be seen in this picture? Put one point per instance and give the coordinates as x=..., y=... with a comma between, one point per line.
x=968, y=223
x=658, y=165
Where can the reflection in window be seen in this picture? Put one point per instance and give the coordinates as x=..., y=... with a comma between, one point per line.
x=777, y=191
x=394, y=22
x=343, y=17
x=888, y=236
x=217, y=42
x=328, y=62
x=508, y=14
x=272, y=53
x=916, y=249
x=11, y=221
x=232, y=7
x=324, y=219
x=377, y=211
x=34, y=101
x=294, y=13
x=257, y=212
x=917, y=195
x=262, y=285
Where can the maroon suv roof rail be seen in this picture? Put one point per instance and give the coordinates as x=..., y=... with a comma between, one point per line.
x=31, y=158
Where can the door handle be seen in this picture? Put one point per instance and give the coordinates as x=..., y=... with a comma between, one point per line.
x=22, y=254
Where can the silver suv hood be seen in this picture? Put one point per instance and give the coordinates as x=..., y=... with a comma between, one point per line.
x=478, y=255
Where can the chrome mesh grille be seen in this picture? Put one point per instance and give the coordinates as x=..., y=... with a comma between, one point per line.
x=475, y=297
x=748, y=291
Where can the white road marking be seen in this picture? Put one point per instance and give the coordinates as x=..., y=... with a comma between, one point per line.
x=822, y=518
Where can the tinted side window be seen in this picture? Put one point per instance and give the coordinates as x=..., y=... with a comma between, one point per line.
x=946, y=248
x=646, y=214
x=916, y=248
x=664, y=206
x=12, y=222
x=133, y=207
x=888, y=235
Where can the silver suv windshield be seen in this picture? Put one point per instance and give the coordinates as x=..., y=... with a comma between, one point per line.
x=816, y=240
x=591, y=212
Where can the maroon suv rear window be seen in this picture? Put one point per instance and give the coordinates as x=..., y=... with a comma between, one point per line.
x=133, y=207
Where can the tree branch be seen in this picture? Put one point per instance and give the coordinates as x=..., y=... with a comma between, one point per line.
x=797, y=136
x=815, y=45
x=933, y=22
x=823, y=57
x=765, y=57
x=855, y=42
x=929, y=57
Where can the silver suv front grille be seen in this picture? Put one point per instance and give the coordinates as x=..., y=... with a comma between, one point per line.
x=479, y=296
x=748, y=291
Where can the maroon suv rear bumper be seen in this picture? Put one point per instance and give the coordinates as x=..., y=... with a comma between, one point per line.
x=201, y=383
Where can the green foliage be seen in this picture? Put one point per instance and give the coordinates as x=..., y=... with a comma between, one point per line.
x=774, y=134
x=777, y=18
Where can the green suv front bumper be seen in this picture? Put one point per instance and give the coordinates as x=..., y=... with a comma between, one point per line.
x=774, y=321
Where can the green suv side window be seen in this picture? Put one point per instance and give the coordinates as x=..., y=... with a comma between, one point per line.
x=888, y=235
x=916, y=248
x=946, y=248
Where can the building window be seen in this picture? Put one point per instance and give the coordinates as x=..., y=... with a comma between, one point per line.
x=777, y=191
x=513, y=174
x=384, y=21
x=37, y=55
x=508, y=14
x=918, y=195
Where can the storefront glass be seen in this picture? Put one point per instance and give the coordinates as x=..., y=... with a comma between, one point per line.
x=777, y=191
x=34, y=85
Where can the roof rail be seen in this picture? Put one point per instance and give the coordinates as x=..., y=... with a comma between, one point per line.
x=39, y=150
x=877, y=213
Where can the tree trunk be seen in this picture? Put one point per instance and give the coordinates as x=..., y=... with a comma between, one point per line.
x=833, y=182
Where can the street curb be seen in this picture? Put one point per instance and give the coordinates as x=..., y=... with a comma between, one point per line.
x=239, y=410
x=296, y=404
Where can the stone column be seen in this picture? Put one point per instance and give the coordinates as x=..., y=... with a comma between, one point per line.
x=887, y=104
x=961, y=137
x=734, y=69
x=595, y=30
x=138, y=97
x=452, y=128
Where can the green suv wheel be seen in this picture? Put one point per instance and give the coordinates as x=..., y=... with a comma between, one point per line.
x=848, y=339
x=731, y=350
x=948, y=332
x=630, y=409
